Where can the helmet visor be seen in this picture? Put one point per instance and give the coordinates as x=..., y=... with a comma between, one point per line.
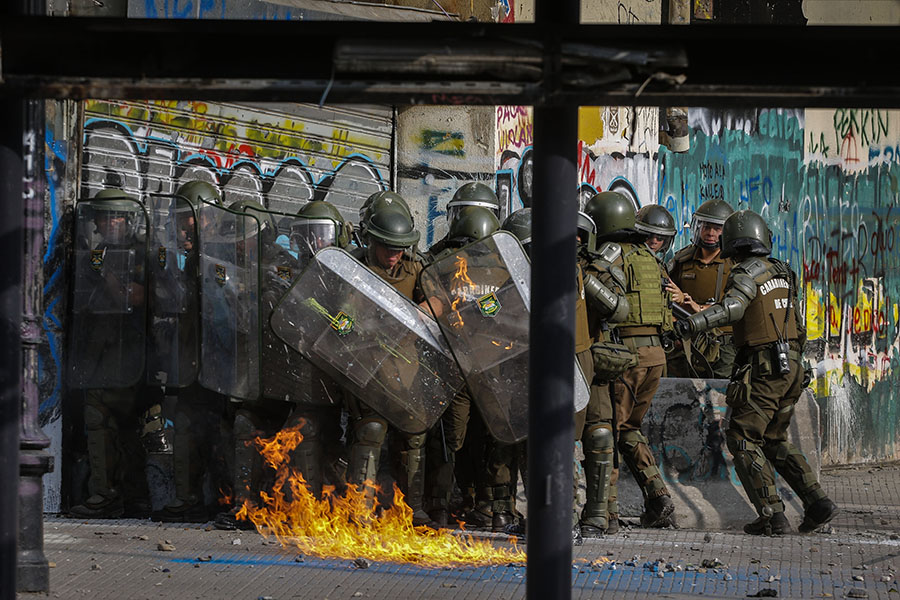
x=308, y=236
x=115, y=226
x=454, y=207
x=706, y=232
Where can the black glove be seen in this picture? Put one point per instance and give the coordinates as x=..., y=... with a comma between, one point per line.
x=683, y=328
x=807, y=374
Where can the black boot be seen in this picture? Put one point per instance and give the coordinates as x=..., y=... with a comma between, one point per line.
x=99, y=506
x=817, y=514
x=659, y=512
x=777, y=524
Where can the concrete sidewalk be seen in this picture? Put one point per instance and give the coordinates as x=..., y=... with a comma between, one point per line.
x=856, y=557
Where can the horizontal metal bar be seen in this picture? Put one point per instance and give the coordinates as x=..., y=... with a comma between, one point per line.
x=447, y=63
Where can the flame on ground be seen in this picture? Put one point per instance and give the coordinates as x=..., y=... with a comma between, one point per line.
x=347, y=527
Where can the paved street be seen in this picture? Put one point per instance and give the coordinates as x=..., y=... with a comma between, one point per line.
x=857, y=558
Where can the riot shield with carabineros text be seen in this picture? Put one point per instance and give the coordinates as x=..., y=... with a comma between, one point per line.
x=173, y=349
x=482, y=295
x=229, y=287
x=107, y=336
x=370, y=339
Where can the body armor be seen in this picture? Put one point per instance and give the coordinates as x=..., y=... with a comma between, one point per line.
x=764, y=317
x=646, y=299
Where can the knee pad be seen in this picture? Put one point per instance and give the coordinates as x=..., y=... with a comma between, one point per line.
x=370, y=432
x=599, y=438
x=95, y=418
x=746, y=452
x=414, y=442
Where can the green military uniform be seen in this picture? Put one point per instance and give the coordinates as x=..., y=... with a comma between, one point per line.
x=633, y=392
x=596, y=435
x=389, y=227
x=641, y=316
x=762, y=302
x=704, y=282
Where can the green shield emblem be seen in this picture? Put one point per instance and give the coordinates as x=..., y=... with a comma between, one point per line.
x=221, y=275
x=342, y=323
x=489, y=305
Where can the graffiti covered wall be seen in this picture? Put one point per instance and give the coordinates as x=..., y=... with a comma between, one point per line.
x=827, y=183
x=617, y=150
x=438, y=150
x=280, y=155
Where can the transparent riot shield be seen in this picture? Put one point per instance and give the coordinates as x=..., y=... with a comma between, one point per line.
x=484, y=294
x=229, y=307
x=284, y=373
x=370, y=339
x=107, y=337
x=173, y=349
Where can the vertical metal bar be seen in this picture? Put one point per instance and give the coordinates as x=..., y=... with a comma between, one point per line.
x=33, y=570
x=552, y=349
x=12, y=116
x=34, y=460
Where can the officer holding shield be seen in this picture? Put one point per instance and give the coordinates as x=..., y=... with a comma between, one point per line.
x=471, y=223
x=390, y=238
x=199, y=412
x=107, y=350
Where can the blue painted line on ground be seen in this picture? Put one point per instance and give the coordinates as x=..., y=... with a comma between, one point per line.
x=623, y=578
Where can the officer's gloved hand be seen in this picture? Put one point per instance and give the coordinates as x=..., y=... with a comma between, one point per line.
x=683, y=328
x=807, y=374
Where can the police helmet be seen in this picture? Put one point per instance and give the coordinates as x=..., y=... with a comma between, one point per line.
x=745, y=232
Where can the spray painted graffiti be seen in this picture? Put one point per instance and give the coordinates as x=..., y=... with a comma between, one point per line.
x=616, y=159
x=834, y=217
x=279, y=165
x=50, y=366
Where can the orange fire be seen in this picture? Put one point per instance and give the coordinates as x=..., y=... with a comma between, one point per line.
x=348, y=527
x=458, y=287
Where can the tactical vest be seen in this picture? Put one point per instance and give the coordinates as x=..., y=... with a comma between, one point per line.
x=404, y=277
x=697, y=279
x=765, y=312
x=582, y=332
x=646, y=298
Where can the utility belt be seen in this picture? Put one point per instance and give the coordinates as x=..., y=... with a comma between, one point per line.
x=633, y=342
x=763, y=358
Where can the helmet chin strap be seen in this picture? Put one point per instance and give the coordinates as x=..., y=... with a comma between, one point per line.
x=708, y=245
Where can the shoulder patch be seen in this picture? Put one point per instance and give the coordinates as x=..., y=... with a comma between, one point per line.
x=610, y=252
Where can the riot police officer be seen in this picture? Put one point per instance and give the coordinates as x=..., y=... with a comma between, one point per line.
x=700, y=271
x=390, y=238
x=603, y=290
x=199, y=412
x=107, y=350
x=641, y=320
x=489, y=467
x=761, y=301
x=260, y=409
x=469, y=194
x=316, y=398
